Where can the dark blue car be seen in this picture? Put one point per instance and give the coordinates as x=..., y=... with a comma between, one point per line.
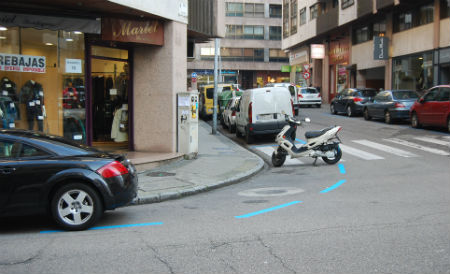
x=391, y=105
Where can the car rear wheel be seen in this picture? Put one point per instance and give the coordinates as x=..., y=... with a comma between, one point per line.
x=415, y=121
x=387, y=117
x=366, y=114
x=76, y=206
x=248, y=137
x=332, y=109
x=231, y=127
x=349, y=111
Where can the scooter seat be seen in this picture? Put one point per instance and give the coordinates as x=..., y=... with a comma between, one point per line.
x=315, y=134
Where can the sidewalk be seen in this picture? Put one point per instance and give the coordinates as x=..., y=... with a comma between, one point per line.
x=220, y=162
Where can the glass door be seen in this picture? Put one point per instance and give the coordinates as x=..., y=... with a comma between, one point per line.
x=109, y=98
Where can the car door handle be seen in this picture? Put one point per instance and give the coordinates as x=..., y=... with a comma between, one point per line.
x=7, y=170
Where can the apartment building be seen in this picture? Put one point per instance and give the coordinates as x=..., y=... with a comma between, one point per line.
x=382, y=44
x=250, y=53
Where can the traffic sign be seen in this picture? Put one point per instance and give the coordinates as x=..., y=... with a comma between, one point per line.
x=306, y=66
x=194, y=75
x=306, y=75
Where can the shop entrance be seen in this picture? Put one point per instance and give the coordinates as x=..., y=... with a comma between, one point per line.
x=109, y=100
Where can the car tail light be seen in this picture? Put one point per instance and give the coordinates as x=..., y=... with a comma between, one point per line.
x=318, y=95
x=233, y=113
x=399, y=105
x=112, y=169
x=250, y=113
x=292, y=105
x=357, y=99
x=300, y=96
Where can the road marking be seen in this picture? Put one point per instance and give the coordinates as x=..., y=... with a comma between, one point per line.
x=359, y=153
x=432, y=140
x=341, y=168
x=417, y=146
x=106, y=227
x=333, y=186
x=289, y=162
x=385, y=148
x=267, y=210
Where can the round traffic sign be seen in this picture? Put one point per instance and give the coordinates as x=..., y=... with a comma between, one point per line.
x=306, y=75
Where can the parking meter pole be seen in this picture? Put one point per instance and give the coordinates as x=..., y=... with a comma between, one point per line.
x=216, y=76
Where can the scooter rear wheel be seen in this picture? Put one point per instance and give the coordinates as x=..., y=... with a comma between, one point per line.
x=337, y=156
x=279, y=158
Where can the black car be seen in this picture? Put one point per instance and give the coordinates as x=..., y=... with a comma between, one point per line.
x=72, y=182
x=391, y=105
x=352, y=100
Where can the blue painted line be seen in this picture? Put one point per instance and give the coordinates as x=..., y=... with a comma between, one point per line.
x=333, y=186
x=267, y=210
x=341, y=168
x=106, y=227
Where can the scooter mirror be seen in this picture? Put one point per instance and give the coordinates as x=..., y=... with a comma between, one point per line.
x=307, y=120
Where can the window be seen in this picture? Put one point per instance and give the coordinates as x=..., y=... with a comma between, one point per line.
x=234, y=9
x=293, y=16
x=240, y=54
x=234, y=31
x=414, y=18
x=253, y=32
x=379, y=28
x=346, y=3
x=361, y=35
x=275, y=11
x=432, y=95
x=313, y=11
x=414, y=72
x=207, y=51
x=278, y=55
x=6, y=147
x=29, y=151
x=303, y=16
x=285, y=18
x=445, y=9
x=254, y=10
x=274, y=33
x=444, y=94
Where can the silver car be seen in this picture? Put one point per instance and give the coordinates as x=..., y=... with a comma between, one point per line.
x=229, y=114
x=309, y=97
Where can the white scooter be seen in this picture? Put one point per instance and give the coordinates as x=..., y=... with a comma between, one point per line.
x=323, y=143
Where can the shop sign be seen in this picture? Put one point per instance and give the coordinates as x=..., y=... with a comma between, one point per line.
x=73, y=66
x=285, y=68
x=145, y=32
x=317, y=51
x=380, y=48
x=339, y=52
x=22, y=63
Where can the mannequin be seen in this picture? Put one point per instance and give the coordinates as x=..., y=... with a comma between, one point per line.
x=70, y=97
x=119, y=130
x=32, y=95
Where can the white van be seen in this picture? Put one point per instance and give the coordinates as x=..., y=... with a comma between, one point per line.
x=259, y=111
x=294, y=93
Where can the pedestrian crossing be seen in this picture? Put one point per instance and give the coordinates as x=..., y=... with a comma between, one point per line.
x=372, y=150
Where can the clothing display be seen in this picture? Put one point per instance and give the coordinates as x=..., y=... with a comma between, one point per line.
x=8, y=90
x=8, y=112
x=119, y=131
x=32, y=95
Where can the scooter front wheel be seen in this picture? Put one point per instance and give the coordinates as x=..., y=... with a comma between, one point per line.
x=336, y=158
x=278, y=158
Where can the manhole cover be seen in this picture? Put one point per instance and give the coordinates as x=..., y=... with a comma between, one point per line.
x=160, y=174
x=270, y=191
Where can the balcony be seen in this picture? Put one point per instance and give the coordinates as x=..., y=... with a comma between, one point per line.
x=364, y=7
x=381, y=4
x=328, y=20
x=206, y=19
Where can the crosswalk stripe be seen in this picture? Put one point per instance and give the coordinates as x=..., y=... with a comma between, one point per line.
x=359, y=153
x=432, y=140
x=289, y=162
x=417, y=146
x=385, y=148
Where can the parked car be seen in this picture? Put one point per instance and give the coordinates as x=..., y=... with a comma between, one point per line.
x=71, y=182
x=229, y=114
x=294, y=93
x=309, y=97
x=390, y=105
x=206, y=98
x=433, y=108
x=259, y=111
x=351, y=100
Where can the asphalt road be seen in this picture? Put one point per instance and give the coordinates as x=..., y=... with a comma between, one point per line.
x=384, y=209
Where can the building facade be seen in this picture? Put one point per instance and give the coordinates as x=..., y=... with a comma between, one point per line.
x=382, y=44
x=250, y=53
x=103, y=73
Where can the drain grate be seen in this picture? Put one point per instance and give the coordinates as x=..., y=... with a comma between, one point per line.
x=160, y=174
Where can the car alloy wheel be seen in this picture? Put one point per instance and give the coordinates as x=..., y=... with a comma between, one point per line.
x=349, y=111
x=332, y=109
x=76, y=206
x=387, y=118
x=366, y=114
x=415, y=121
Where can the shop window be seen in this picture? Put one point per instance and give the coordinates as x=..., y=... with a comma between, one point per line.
x=293, y=7
x=413, y=72
x=274, y=33
x=234, y=9
x=346, y=3
x=275, y=11
x=445, y=8
x=313, y=11
x=303, y=16
x=42, y=81
x=413, y=18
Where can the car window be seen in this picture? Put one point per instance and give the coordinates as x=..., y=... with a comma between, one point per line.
x=210, y=93
x=312, y=91
x=379, y=97
x=404, y=94
x=431, y=95
x=226, y=88
x=368, y=93
x=292, y=90
x=444, y=94
x=6, y=149
x=30, y=151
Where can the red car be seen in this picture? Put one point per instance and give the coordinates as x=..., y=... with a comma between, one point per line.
x=433, y=108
